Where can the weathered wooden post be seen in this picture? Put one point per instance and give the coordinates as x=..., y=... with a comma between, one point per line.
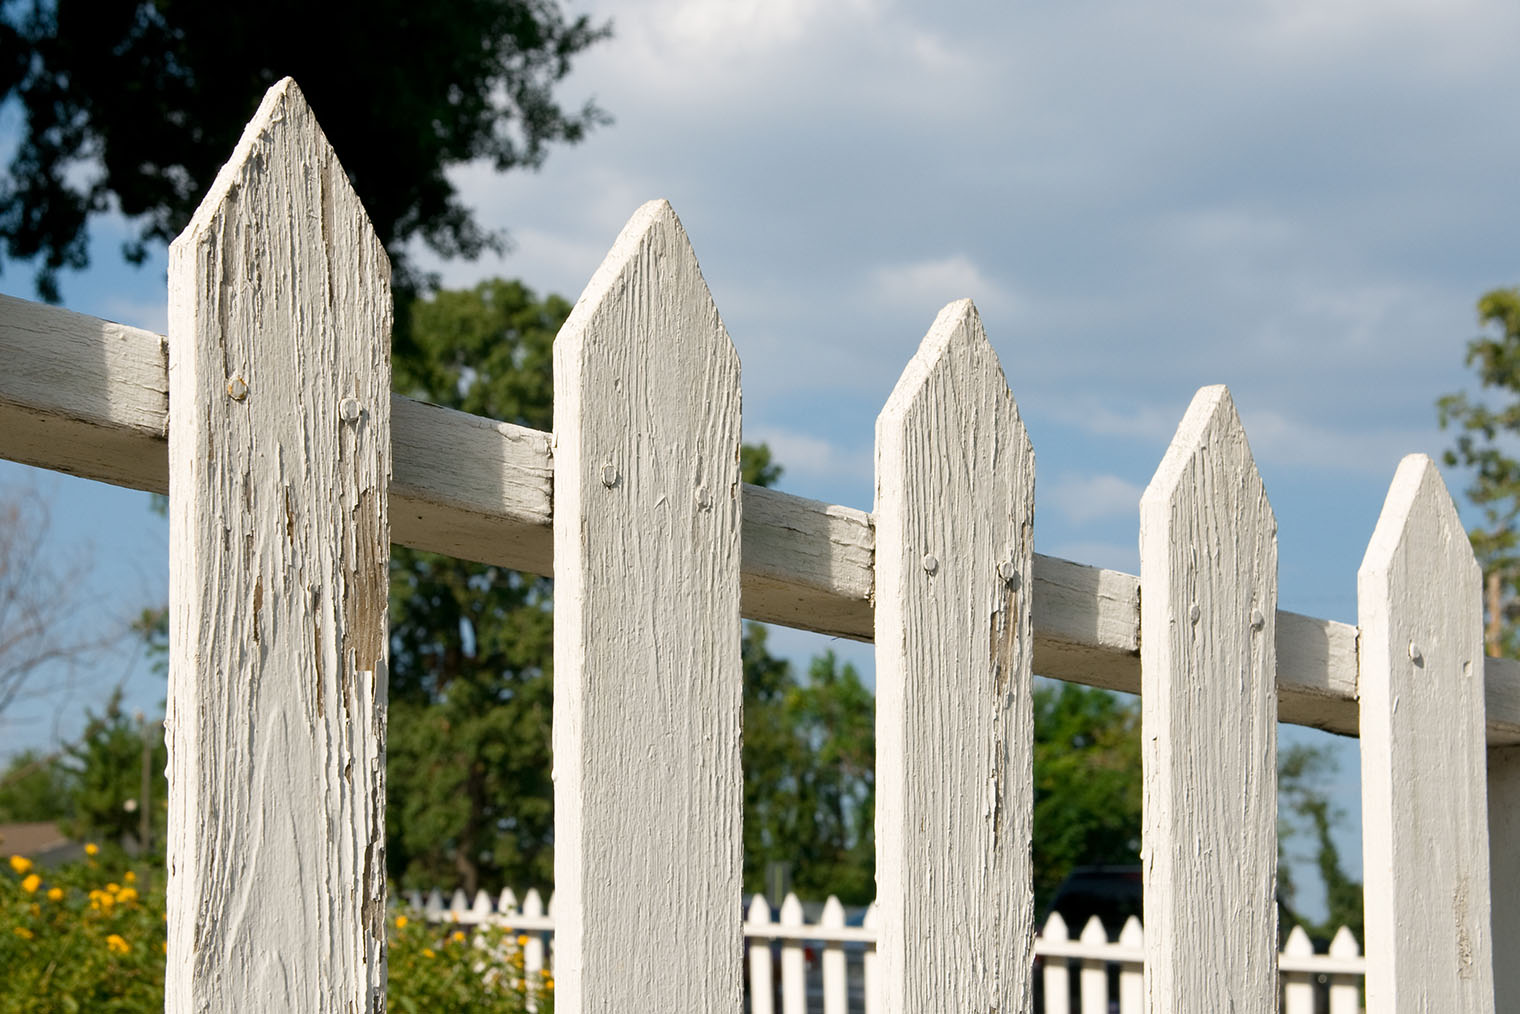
x=1208, y=607
x=279, y=446
x=648, y=684
x=1424, y=808
x=954, y=716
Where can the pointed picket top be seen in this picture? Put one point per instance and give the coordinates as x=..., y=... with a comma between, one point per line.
x=459, y=901
x=507, y=902
x=482, y=905
x=791, y=911
x=833, y=913
x=1093, y=932
x=1208, y=608
x=1055, y=928
x=434, y=904
x=1417, y=507
x=954, y=518
x=1424, y=760
x=1209, y=431
x=283, y=140
x=414, y=899
x=1298, y=944
x=1344, y=945
x=1133, y=934
x=651, y=272
x=533, y=903
x=872, y=919
x=759, y=911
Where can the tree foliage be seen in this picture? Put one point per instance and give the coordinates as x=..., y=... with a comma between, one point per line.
x=1086, y=782
x=135, y=104
x=1486, y=430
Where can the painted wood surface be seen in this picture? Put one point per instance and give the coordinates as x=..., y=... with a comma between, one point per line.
x=1424, y=805
x=481, y=490
x=954, y=720
x=279, y=323
x=647, y=676
x=1208, y=578
x=1504, y=870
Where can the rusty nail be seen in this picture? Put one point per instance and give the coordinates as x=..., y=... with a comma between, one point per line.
x=237, y=388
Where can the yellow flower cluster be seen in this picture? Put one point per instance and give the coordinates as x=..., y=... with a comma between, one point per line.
x=20, y=864
x=116, y=944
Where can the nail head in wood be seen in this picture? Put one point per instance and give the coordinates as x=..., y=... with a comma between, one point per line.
x=237, y=388
x=930, y=563
x=609, y=476
x=348, y=410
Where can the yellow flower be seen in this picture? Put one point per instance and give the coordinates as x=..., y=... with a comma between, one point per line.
x=458, y=936
x=401, y=922
x=127, y=894
x=129, y=877
x=90, y=848
x=31, y=883
x=113, y=888
x=24, y=933
x=548, y=983
x=522, y=940
x=55, y=894
x=427, y=952
x=117, y=944
x=20, y=864
x=164, y=946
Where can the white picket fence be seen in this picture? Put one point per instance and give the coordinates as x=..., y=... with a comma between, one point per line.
x=291, y=467
x=827, y=984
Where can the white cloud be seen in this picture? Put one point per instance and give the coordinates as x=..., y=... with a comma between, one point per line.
x=927, y=285
x=1082, y=498
x=812, y=457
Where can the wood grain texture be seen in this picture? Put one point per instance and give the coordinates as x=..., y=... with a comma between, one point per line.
x=648, y=685
x=1504, y=870
x=279, y=322
x=1208, y=705
x=1424, y=808
x=954, y=720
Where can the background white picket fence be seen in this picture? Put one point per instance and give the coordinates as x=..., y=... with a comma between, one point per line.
x=829, y=966
x=291, y=466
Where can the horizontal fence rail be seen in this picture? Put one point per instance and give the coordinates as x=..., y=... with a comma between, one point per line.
x=89, y=397
x=827, y=964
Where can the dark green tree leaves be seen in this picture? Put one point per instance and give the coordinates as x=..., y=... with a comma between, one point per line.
x=137, y=103
x=1486, y=426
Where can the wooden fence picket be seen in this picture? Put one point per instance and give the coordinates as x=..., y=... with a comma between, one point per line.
x=793, y=960
x=1424, y=804
x=835, y=992
x=1504, y=869
x=1094, y=974
x=647, y=676
x=954, y=541
x=762, y=987
x=1346, y=990
x=1298, y=987
x=1057, y=977
x=1132, y=976
x=280, y=462
x=1208, y=605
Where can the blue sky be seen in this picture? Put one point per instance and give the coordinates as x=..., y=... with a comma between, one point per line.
x=1301, y=199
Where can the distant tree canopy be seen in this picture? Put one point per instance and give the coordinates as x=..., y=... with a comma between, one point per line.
x=138, y=103
x=1486, y=427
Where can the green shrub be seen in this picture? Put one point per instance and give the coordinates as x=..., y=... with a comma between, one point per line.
x=88, y=937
